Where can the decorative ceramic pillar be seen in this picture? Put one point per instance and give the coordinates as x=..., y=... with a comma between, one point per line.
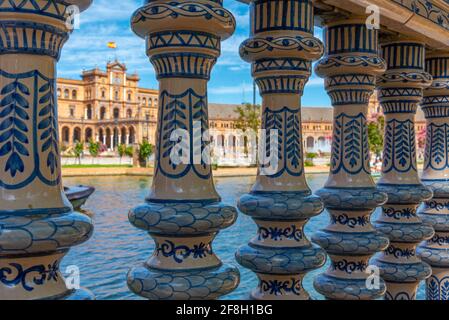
x=350, y=66
x=400, y=92
x=281, y=52
x=183, y=212
x=436, y=176
x=37, y=222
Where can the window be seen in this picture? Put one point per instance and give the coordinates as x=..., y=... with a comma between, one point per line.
x=116, y=113
x=74, y=95
x=72, y=111
x=103, y=94
x=102, y=113
x=59, y=93
x=129, y=96
x=89, y=112
x=66, y=93
x=116, y=95
x=129, y=113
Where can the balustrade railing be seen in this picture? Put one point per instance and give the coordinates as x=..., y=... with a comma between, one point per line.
x=183, y=212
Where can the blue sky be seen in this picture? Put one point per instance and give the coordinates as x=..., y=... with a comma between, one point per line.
x=108, y=20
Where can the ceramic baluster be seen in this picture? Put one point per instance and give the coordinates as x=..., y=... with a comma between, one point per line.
x=183, y=212
x=400, y=92
x=350, y=66
x=281, y=49
x=37, y=223
x=436, y=176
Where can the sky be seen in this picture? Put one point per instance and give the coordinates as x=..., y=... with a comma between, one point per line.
x=109, y=20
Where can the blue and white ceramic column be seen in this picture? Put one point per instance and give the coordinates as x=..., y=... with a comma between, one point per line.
x=37, y=222
x=400, y=92
x=183, y=212
x=350, y=66
x=436, y=176
x=281, y=50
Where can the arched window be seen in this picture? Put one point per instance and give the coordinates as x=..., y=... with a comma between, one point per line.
x=116, y=95
x=123, y=136
x=59, y=93
x=310, y=143
x=103, y=94
x=144, y=101
x=88, y=135
x=74, y=95
x=77, y=135
x=129, y=96
x=66, y=93
x=65, y=135
x=132, y=135
x=129, y=113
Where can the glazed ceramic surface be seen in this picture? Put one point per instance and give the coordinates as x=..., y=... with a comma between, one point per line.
x=435, y=212
x=38, y=224
x=183, y=212
x=281, y=49
x=401, y=89
x=350, y=66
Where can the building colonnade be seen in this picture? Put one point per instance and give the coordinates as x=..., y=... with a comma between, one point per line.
x=183, y=212
x=109, y=136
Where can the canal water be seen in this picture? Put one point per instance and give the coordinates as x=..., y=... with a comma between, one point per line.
x=116, y=245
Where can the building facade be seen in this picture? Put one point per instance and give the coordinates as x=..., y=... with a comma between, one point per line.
x=110, y=107
x=106, y=106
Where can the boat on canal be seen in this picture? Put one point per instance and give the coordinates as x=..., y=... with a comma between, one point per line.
x=78, y=195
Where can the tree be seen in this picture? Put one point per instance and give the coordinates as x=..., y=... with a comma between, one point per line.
x=310, y=156
x=121, y=151
x=129, y=151
x=78, y=150
x=145, y=151
x=376, y=128
x=94, y=149
x=249, y=120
